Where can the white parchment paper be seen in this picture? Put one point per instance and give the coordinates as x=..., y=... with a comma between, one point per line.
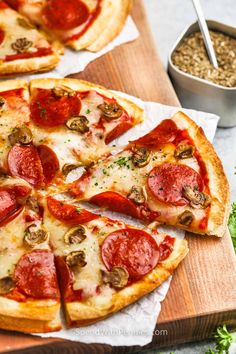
x=73, y=62
x=135, y=324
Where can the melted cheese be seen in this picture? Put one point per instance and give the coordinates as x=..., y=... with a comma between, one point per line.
x=13, y=31
x=14, y=112
x=8, y=260
x=118, y=174
x=88, y=278
x=72, y=147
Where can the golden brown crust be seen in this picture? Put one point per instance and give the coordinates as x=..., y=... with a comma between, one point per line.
x=28, y=325
x=13, y=84
x=114, y=25
x=43, y=310
x=82, y=314
x=117, y=10
x=29, y=65
x=80, y=85
x=218, y=183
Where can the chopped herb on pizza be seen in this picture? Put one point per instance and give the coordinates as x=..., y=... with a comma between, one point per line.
x=171, y=175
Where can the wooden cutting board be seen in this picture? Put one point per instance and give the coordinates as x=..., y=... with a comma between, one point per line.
x=203, y=290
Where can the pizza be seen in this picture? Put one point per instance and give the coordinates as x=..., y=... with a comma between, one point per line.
x=171, y=175
x=29, y=292
x=103, y=264
x=56, y=151
x=54, y=126
x=33, y=33
x=79, y=24
x=23, y=49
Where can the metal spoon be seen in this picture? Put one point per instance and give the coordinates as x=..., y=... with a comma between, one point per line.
x=205, y=33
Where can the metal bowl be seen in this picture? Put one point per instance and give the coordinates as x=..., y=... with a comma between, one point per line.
x=201, y=94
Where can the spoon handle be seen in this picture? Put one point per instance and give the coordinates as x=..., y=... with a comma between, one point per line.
x=205, y=33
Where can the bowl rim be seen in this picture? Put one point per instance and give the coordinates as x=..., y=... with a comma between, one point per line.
x=189, y=76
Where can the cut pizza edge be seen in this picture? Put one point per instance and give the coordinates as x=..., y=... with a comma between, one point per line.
x=97, y=35
x=114, y=26
x=81, y=85
x=151, y=198
x=21, y=319
x=103, y=264
x=29, y=292
x=22, y=60
x=218, y=182
x=79, y=314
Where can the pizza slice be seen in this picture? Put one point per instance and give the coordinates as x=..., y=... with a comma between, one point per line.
x=23, y=49
x=105, y=265
x=29, y=293
x=37, y=165
x=77, y=119
x=80, y=24
x=171, y=175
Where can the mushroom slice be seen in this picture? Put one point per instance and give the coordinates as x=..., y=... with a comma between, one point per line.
x=7, y=284
x=76, y=258
x=197, y=199
x=117, y=278
x=136, y=195
x=23, y=22
x=110, y=110
x=79, y=124
x=67, y=168
x=32, y=204
x=21, y=135
x=62, y=90
x=184, y=151
x=186, y=218
x=141, y=156
x=75, y=235
x=21, y=45
x=34, y=236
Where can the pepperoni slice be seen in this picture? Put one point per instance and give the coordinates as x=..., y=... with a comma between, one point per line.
x=166, y=247
x=115, y=202
x=125, y=124
x=65, y=278
x=2, y=36
x=3, y=5
x=40, y=52
x=47, y=110
x=166, y=182
x=164, y=133
x=10, y=206
x=15, y=98
x=133, y=249
x=35, y=275
x=24, y=162
x=69, y=214
x=65, y=15
x=49, y=162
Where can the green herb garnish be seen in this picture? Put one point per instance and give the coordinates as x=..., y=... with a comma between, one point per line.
x=232, y=225
x=223, y=340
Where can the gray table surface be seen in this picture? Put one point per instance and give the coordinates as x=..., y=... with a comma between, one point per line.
x=168, y=18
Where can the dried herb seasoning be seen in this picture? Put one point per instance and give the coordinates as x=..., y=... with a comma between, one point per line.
x=191, y=57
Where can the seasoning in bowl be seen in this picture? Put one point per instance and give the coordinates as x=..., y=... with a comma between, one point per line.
x=191, y=57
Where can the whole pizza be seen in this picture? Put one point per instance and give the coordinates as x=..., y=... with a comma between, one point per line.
x=56, y=153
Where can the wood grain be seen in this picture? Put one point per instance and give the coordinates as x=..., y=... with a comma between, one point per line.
x=203, y=290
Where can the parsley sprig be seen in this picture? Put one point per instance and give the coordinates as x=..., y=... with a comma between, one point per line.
x=232, y=225
x=223, y=339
